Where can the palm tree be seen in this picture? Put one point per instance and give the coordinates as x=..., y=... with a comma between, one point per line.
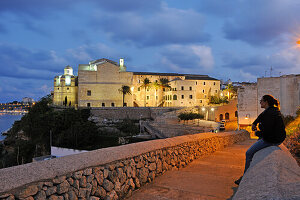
x=156, y=86
x=146, y=85
x=125, y=89
x=164, y=82
x=231, y=90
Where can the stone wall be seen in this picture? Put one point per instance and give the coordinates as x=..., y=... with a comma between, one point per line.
x=109, y=173
x=133, y=113
x=275, y=173
x=247, y=104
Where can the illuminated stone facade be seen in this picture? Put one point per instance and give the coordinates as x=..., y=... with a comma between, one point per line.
x=285, y=88
x=65, y=89
x=99, y=84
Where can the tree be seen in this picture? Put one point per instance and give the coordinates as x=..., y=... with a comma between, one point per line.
x=156, y=86
x=125, y=89
x=164, y=82
x=232, y=91
x=146, y=85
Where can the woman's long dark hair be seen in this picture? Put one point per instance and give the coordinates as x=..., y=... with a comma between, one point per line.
x=271, y=101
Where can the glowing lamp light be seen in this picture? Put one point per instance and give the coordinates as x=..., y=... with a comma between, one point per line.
x=203, y=109
x=132, y=88
x=212, y=109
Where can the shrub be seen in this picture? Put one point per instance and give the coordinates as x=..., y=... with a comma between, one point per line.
x=190, y=116
x=288, y=119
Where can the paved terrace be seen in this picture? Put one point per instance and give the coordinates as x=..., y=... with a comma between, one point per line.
x=210, y=177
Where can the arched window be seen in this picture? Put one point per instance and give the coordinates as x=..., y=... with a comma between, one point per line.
x=236, y=114
x=221, y=117
x=227, y=116
x=174, y=97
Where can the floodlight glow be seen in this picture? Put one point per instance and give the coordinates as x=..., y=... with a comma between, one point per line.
x=68, y=80
x=212, y=109
x=203, y=109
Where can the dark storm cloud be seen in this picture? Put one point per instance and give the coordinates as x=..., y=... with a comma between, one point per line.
x=170, y=26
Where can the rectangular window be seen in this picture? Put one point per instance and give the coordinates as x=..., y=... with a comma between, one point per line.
x=175, y=89
x=196, y=83
x=203, y=91
x=148, y=97
x=88, y=104
x=214, y=83
x=191, y=96
x=191, y=88
x=89, y=93
x=203, y=83
x=103, y=104
x=182, y=96
x=112, y=104
x=139, y=89
x=182, y=87
x=164, y=89
x=139, y=81
x=216, y=91
x=200, y=101
x=148, y=89
x=156, y=97
x=125, y=104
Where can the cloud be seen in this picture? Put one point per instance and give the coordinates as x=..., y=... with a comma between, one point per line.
x=286, y=61
x=129, y=5
x=16, y=61
x=219, y=8
x=20, y=62
x=169, y=26
x=34, y=8
x=263, y=22
x=187, y=59
x=16, y=89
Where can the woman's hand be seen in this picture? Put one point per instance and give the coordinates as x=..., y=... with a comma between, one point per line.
x=254, y=127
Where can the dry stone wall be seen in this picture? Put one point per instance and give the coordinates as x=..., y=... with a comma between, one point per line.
x=111, y=173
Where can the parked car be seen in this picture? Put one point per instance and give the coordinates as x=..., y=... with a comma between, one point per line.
x=223, y=121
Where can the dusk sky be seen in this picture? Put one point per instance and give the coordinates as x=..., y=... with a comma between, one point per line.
x=236, y=39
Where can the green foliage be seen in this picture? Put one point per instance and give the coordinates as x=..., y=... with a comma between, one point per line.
x=125, y=89
x=217, y=100
x=293, y=143
x=30, y=137
x=287, y=119
x=128, y=126
x=298, y=112
x=190, y=116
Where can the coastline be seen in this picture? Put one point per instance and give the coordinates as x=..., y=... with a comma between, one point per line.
x=6, y=122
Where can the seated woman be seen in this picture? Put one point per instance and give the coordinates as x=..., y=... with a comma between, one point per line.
x=272, y=129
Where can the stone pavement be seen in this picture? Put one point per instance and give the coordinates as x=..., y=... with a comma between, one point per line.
x=210, y=177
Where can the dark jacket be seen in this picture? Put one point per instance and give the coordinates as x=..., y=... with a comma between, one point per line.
x=271, y=125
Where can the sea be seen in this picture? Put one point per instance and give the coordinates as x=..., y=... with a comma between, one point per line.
x=6, y=122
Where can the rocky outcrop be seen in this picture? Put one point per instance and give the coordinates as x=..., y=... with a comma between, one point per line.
x=275, y=173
